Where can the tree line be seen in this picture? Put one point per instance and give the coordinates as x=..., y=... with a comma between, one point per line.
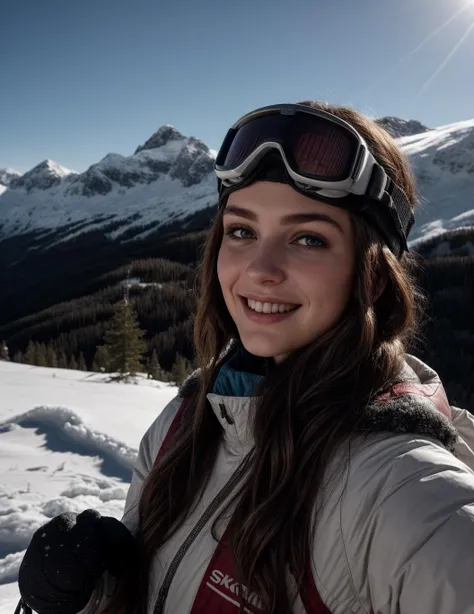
x=122, y=355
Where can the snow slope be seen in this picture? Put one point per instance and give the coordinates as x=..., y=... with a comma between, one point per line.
x=443, y=161
x=68, y=441
x=7, y=175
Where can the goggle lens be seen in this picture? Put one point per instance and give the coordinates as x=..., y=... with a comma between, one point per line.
x=313, y=146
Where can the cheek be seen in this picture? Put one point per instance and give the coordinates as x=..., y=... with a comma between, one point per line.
x=342, y=282
x=329, y=286
x=226, y=269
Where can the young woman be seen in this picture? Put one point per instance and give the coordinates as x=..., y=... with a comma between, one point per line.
x=311, y=465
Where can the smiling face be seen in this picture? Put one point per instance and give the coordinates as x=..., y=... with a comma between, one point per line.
x=285, y=266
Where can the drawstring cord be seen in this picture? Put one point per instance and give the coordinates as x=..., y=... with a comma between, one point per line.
x=23, y=607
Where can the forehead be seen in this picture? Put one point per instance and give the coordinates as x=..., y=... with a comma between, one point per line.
x=271, y=201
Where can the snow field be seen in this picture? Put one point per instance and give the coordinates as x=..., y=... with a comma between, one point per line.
x=68, y=441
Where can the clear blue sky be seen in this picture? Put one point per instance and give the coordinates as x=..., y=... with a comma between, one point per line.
x=81, y=79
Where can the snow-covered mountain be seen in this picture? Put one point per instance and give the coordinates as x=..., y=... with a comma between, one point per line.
x=7, y=175
x=401, y=127
x=42, y=177
x=167, y=178
x=170, y=177
x=443, y=161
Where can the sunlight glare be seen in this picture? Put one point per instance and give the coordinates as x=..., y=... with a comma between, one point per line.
x=403, y=60
x=447, y=60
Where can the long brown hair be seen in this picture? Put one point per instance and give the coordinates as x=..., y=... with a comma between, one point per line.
x=312, y=402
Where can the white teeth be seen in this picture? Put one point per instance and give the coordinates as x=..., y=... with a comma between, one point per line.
x=269, y=307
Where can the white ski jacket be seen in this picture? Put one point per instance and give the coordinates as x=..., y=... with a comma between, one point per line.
x=395, y=533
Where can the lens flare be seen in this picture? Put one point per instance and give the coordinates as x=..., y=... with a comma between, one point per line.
x=403, y=60
x=446, y=61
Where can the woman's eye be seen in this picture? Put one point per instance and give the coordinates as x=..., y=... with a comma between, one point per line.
x=311, y=241
x=239, y=233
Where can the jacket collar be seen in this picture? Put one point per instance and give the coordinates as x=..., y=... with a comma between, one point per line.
x=417, y=405
x=235, y=415
x=241, y=373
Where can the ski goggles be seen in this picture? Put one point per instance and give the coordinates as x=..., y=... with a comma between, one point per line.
x=324, y=157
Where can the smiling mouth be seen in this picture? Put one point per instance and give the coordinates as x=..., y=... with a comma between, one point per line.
x=269, y=308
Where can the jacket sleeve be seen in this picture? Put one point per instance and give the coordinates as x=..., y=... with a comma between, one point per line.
x=148, y=449
x=464, y=423
x=410, y=541
x=147, y=452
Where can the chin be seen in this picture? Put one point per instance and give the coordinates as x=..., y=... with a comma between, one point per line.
x=264, y=349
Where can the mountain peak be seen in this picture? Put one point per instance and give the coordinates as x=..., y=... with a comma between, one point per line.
x=164, y=135
x=399, y=127
x=50, y=166
x=42, y=176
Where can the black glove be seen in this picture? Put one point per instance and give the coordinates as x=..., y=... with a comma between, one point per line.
x=66, y=558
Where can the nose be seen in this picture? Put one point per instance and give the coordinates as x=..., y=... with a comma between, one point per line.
x=266, y=265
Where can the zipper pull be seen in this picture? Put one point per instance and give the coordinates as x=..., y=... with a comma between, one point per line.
x=225, y=414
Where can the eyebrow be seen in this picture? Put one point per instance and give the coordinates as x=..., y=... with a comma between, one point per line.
x=293, y=218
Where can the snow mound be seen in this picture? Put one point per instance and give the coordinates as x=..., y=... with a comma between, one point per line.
x=74, y=429
x=22, y=512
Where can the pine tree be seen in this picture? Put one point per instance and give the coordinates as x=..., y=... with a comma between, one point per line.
x=101, y=360
x=72, y=363
x=51, y=358
x=18, y=356
x=154, y=367
x=4, y=355
x=124, y=341
x=82, y=362
x=62, y=360
x=40, y=355
x=29, y=357
x=179, y=370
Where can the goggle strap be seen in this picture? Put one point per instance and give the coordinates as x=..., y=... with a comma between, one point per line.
x=385, y=221
x=382, y=188
x=402, y=207
x=377, y=183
